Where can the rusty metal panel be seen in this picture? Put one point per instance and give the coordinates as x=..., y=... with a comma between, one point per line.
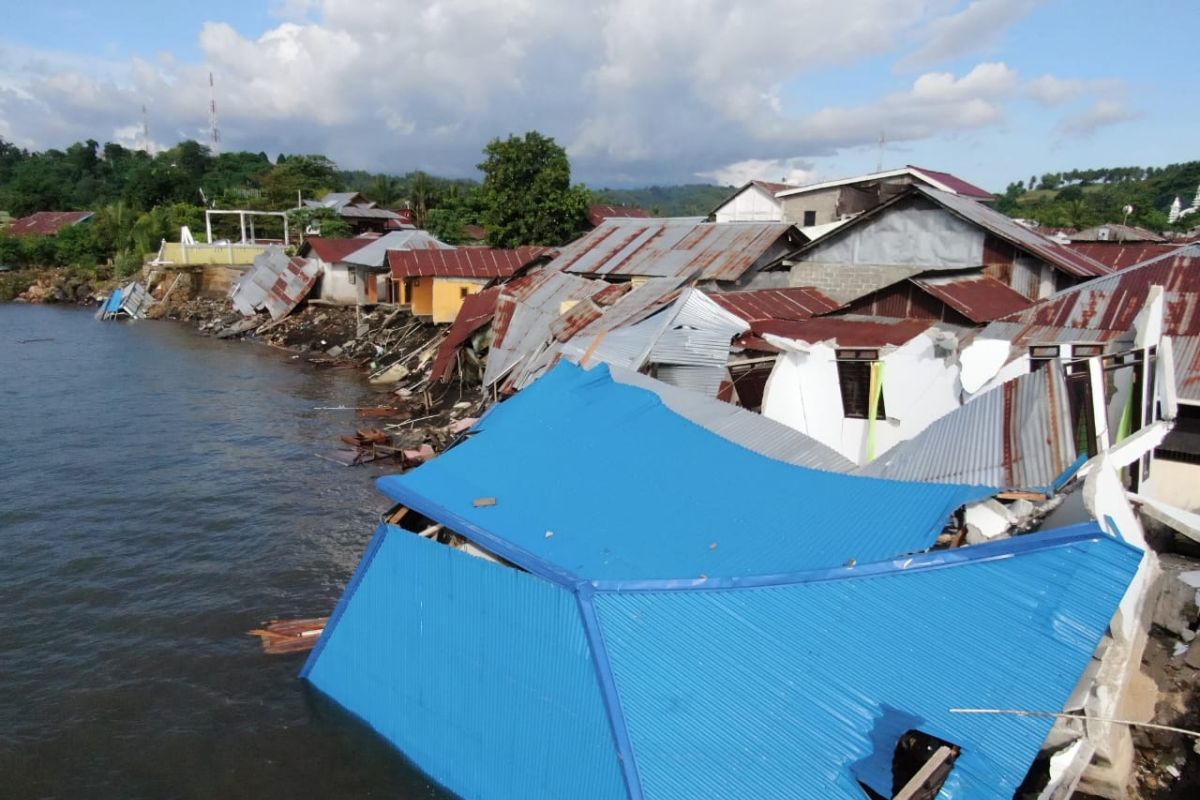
x=979, y=298
x=800, y=302
x=275, y=282
x=679, y=246
x=466, y=262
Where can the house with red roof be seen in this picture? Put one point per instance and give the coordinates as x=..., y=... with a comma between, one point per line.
x=599, y=212
x=338, y=282
x=47, y=223
x=435, y=283
x=833, y=201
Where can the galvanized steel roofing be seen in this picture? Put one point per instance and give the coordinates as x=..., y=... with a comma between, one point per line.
x=797, y=303
x=1017, y=436
x=573, y=430
x=464, y=262
x=46, y=223
x=374, y=254
x=678, y=246
x=979, y=298
x=275, y=282
x=1119, y=255
x=599, y=212
x=846, y=331
x=938, y=180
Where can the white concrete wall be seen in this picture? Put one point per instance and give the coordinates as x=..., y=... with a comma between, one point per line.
x=1174, y=482
x=916, y=234
x=336, y=286
x=754, y=204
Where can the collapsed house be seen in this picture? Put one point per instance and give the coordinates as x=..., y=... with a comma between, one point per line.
x=708, y=647
x=434, y=283
x=276, y=283
x=130, y=301
x=339, y=284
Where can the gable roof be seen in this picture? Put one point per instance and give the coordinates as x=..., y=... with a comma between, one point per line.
x=46, y=223
x=332, y=251
x=771, y=189
x=1119, y=255
x=465, y=262
x=943, y=181
x=979, y=298
x=375, y=253
x=598, y=212
x=795, y=303
x=672, y=246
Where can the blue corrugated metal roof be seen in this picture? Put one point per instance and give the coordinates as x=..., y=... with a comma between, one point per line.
x=598, y=479
x=481, y=674
x=779, y=692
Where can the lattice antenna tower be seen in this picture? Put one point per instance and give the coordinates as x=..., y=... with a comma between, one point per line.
x=146, y=131
x=882, y=145
x=214, y=131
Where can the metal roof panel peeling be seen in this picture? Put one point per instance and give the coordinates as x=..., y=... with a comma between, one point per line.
x=464, y=262
x=574, y=429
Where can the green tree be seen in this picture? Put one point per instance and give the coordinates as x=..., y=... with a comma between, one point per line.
x=307, y=176
x=325, y=222
x=527, y=193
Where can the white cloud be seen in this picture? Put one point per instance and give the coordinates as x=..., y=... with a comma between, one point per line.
x=1101, y=114
x=654, y=92
x=795, y=171
x=975, y=28
x=1050, y=91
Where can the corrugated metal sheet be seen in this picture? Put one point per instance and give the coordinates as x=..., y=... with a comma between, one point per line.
x=752, y=431
x=275, y=282
x=1187, y=367
x=599, y=212
x=798, y=303
x=543, y=452
x=332, y=251
x=1008, y=229
x=785, y=692
x=1114, y=232
x=979, y=298
x=846, y=331
x=1118, y=255
x=525, y=310
x=480, y=674
x=375, y=253
x=705, y=380
x=46, y=223
x=477, y=310
x=953, y=183
x=1016, y=436
x=465, y=262
x=671, y=247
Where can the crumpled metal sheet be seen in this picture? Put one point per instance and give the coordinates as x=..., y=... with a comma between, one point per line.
x=276, y=282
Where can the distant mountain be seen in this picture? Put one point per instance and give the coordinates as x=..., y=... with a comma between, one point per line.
x=689, y=200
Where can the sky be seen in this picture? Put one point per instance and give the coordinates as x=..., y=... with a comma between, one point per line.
x=640, y=92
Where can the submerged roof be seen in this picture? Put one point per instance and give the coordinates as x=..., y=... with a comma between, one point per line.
x=661, y=515
x=464, y=262
x=675, y=246
x=46, y=223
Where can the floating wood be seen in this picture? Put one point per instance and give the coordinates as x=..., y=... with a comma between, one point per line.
x=282, y=636
x=480, y=502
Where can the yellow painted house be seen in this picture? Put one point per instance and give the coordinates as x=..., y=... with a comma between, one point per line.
x=434, y=283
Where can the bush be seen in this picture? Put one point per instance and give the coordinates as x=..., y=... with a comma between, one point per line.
x=13, y=283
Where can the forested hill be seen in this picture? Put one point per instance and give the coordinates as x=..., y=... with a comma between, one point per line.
x=688, y=200
x=1082, y=198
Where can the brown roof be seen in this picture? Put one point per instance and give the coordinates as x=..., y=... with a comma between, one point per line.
x=46, y=223
x=465, y=262
x=1119, y=255
x=846, y=331
x=979, y=298
x=599, y=212
x=476, y=311
x=332, y=251
x=797, y=303
x=955, y=183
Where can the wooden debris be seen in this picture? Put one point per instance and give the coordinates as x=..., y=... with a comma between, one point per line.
x=480, y=502
x=282, y=636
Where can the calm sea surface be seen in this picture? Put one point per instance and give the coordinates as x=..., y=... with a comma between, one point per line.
x=158, y=497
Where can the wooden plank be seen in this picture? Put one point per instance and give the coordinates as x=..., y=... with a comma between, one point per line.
x=924, y=773
x=480, y=502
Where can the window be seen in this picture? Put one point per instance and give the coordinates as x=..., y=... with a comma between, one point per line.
x=1041, y=354
x=351, y=276
x=463, y=291
x=854, y=375
x=810, y=218
x=1087, y=350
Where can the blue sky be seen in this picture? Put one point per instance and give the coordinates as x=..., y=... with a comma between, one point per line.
x=666, y=92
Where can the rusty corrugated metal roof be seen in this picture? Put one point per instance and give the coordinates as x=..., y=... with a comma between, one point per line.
x=46, y=223
x=598, y=212
x=332, y=251
x=846, y=331
x=465, y=262
x=979, y=298
x=476, y=311
x=678, y=246
x=275, y=282
x=1119, y=255
x=801, y=302
x=953, y=183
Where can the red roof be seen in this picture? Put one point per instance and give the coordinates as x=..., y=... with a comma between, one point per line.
x=332, y=251
x=476, y=311
x=772, y=187
x=465, y=262
x=979, y=298
x=794, y=304
x=955, y=183
x=46, y=223
x=847, y=332
x=599, y=212
x=1120, y=255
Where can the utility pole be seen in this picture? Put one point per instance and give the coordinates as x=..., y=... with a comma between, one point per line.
x=146, y=131
x=214, y=131
x=882, y=143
